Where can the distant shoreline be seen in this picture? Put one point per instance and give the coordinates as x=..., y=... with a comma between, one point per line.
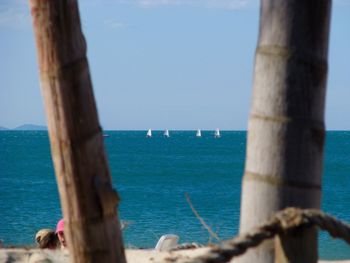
x=142, y=130
x=25, y=127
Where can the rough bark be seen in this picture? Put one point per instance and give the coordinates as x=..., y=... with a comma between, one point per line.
x=286, y=126
x=88, y=201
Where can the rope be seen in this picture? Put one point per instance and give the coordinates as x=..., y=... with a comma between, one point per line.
x=284, y=221
x=212, y=234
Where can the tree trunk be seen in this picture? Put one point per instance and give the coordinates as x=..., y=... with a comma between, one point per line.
x=92, y=227
x=286, y=126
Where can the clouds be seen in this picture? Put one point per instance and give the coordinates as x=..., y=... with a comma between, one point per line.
x=225, y=4
x=14, y=15
x=115, y=24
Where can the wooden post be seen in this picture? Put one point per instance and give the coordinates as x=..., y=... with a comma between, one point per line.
x=92, y=227
x=286, y=126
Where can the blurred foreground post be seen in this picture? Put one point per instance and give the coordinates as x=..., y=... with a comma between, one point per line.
x=286, y=126
x=88, y=201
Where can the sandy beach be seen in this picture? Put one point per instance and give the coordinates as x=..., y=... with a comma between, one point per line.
x=19, y=255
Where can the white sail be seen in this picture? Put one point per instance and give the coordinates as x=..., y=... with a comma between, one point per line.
x=166, y=133
x=198, y=134
x=149, y=133
x=217, y=133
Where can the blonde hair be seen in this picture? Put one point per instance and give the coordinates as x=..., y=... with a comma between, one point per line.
x=46, y=238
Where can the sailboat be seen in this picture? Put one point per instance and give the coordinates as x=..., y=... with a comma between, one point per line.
x=166, y=133
x=149, y=133
x=217, y=133
x=198, y=134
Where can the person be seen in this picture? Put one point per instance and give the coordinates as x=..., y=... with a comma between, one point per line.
x=60, y=234
x=46, y=238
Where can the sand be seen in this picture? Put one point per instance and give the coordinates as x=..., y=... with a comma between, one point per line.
x=19, y=255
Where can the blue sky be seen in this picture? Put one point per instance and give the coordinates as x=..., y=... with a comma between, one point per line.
x=176, y=64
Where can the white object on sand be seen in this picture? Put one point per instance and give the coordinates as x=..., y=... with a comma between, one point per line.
x=167, y=242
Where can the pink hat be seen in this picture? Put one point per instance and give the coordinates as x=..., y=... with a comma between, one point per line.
x=60, y=226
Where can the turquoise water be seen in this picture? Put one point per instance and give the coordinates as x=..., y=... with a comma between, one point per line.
x=152, y=176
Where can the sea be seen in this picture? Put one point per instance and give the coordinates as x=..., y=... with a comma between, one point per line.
x=152, y=177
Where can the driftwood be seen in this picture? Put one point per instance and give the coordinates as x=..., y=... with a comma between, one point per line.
x=88, y=201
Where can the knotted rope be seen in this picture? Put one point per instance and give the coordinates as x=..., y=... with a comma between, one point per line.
x=283, y=222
